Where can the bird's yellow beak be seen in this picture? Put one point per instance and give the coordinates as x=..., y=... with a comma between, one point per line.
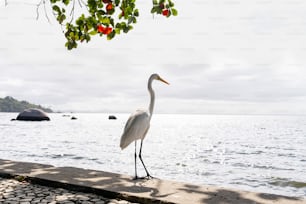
x=160, y=79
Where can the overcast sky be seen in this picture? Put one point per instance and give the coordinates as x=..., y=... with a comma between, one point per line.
x=220, y=57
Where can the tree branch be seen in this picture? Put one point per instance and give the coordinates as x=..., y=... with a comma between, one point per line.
x=81, y=2
x=45, y=10
x=72, y=11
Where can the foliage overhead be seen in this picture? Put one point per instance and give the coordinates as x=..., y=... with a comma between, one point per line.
x=103, y=17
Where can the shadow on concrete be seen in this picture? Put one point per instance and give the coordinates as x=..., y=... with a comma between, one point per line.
x=106, y=184
x=226, y=196
x=112, y=185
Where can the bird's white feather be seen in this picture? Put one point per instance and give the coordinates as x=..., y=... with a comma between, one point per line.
x=136, y=128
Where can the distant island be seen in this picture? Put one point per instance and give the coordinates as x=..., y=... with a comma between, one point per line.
x=9, y=104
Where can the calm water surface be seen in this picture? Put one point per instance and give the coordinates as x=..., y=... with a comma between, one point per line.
x=257, y=153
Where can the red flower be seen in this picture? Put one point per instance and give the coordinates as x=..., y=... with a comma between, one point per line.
x=165, y=12
x=109, y=6
x=104, y=30
x=101, y=29
x=108, y=30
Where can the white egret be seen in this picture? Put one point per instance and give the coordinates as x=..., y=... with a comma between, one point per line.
x=138, y=125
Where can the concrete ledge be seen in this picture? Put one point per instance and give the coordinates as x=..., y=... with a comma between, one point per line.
x=143, y=191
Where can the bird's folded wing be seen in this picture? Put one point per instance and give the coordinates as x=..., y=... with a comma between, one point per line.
x=135, y=128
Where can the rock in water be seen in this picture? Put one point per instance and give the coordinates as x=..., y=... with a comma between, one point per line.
x=32, y=114
x=112, y=117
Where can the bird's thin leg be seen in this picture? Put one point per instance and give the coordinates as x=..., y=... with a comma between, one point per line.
x=135, y=161
x=148, y=175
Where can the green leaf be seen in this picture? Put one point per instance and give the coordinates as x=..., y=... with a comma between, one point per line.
x=126, y=29
x=154, y=9
x=134, y=20
x=105, y=21
x=56, y=9
x=118, y=25
x=66, y=2
x=171, y=4
x=87, y=37
x=130, y=20
x=174, y=12
x=61, y=18
x=71, y=34
x=94, y=32
x=111, y=35
x=117, y=30
x=79, y=22
x=71, y=44
x=136, y=12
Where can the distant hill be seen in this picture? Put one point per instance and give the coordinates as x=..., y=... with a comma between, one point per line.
x=9, y=104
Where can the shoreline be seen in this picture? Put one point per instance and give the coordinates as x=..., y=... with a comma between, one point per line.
x=113, y=185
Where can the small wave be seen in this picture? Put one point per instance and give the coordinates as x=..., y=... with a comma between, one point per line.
x=34, y=155
x=286, y=155
x=257, y=152
x=260, y=166
x=5, y=125
x=78, y=158
x=286, y=182
x=84, y=158
x=62, y=155
x=67, y=142
x=181, y=164
x=240, y=165
x=272, y=167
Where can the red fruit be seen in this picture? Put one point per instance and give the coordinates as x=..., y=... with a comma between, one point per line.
x=104, y=30
x=108, y=30
x=165, y=12
x=109, y=6
x=101, y=29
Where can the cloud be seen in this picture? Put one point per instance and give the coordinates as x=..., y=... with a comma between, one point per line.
x=219, y=57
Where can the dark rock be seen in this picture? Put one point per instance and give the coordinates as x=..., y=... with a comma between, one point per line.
x=112, y=117
x=32, y=114
x=73, y=118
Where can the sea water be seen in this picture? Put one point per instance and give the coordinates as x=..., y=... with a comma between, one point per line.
x=259, y=153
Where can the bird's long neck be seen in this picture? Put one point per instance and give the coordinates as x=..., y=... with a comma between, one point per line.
x=152, y=97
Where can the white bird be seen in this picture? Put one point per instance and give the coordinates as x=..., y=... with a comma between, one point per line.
x=138, y=125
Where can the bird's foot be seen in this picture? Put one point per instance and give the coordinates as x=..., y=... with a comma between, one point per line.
x=148, y=177
x=135, y=178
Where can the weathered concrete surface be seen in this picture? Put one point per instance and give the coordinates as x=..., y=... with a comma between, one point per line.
x=143, y=191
